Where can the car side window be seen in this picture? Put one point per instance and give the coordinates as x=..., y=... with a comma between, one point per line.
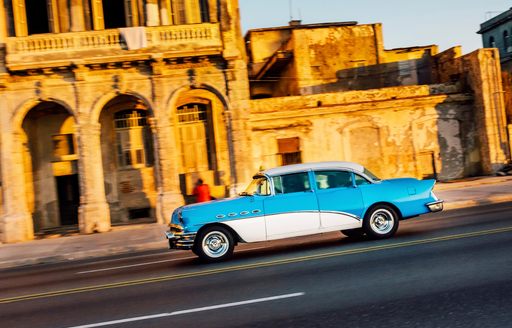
x=333, y=179
x=263, y=188
x=289, y=183
x=360, y=180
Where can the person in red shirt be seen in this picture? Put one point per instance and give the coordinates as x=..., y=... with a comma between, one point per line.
x=202, y=192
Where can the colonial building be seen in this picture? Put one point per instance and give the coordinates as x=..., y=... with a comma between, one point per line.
x=110, y=110
x=331, y=91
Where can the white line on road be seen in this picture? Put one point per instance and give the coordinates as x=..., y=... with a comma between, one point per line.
x=149, y=263
x=206, y=308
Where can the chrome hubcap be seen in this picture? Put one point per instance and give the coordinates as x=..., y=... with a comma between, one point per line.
x=382, y=221
x=215, y=244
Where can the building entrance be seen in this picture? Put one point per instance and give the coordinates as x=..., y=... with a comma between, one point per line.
x=69, y=198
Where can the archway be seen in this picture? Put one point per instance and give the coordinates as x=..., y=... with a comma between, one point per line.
x=50, y=166
x=201, y=137
x=128, y=159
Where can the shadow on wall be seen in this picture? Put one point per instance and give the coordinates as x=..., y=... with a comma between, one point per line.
x=401, y=73
x=458, y=139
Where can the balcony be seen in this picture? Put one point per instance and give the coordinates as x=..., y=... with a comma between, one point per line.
x=94, y=47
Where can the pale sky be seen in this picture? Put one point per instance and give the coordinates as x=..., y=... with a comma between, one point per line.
x=405, y=23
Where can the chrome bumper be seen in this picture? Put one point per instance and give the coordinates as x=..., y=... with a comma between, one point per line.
x=180, y=240
x=435, y=206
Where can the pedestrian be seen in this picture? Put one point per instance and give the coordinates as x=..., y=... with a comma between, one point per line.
x=202, y=192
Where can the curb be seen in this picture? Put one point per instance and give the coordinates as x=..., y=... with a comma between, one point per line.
x=489, y=180
x=475, y=203
x=83, y=255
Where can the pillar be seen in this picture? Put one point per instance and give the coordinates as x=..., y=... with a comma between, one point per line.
x=166, y=157
x=16, y=223
x=93, y=213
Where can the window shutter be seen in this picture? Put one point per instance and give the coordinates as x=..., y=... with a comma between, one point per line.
x=288, y=145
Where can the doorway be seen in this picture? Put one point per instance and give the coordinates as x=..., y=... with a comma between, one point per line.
x=69, y=198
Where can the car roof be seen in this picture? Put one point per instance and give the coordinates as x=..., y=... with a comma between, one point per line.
x=313, y=166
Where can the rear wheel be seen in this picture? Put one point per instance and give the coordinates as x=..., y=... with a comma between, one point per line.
x=214, y=244
x=381, y=221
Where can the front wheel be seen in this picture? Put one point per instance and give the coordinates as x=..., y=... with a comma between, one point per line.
x=380, y=222
x=214, y=244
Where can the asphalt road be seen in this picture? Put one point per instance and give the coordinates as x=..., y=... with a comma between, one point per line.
x=451, y=269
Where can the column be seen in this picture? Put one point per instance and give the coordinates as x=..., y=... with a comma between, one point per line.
x=94, y=212
x=166, y=158
x=3, y=25
x=16, y=223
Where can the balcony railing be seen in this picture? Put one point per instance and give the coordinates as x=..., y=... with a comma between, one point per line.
x=158, y=39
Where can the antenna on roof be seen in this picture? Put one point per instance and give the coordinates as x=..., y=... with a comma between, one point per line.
x=290, y=4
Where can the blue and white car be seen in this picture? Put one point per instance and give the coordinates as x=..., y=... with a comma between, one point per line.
x=298, y=200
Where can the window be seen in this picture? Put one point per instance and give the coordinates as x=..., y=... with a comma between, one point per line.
x=492, y=42
x=37, y=17
x=360, y=180
x=289, y=151
x=196, y=137
x=134, y=141
x=290, y=183
x=63, y=144
x=506, y=41
x=114, y=13
x=258, y=186
x=333, y=179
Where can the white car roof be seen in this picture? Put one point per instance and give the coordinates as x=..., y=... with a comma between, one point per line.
x=313, y=166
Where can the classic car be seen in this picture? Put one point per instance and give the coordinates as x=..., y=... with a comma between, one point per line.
x=298, y=200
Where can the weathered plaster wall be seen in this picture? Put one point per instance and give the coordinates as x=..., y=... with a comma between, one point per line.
x=392, y=131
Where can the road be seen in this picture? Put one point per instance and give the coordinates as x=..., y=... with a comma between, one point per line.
x=450, y=269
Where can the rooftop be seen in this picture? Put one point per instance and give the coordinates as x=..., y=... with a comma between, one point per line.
x=496, y=21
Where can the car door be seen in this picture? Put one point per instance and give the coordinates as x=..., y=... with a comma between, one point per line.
x=293, y=209
x=339, y=200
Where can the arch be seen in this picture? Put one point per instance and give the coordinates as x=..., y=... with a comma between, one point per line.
x=172, y=101
x=211, y=133
x=21, y=112
x=100, y=103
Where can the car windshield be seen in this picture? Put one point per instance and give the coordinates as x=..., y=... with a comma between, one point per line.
x=371, y=175
x=258, y=186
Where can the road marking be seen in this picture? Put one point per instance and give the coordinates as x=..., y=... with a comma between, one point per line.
x=153, y=262
x=253, y=265
x=201, y=309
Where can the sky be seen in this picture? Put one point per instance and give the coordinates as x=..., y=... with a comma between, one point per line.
x=405, y=23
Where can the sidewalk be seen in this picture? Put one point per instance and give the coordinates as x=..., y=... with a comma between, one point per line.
x=146, y=237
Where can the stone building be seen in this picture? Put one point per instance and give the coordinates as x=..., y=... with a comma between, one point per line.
x=331, y=91
x=112, y=109
x=497, y=33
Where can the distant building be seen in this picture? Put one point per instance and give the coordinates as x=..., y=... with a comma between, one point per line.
x=497, y=33
x=111, y=110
